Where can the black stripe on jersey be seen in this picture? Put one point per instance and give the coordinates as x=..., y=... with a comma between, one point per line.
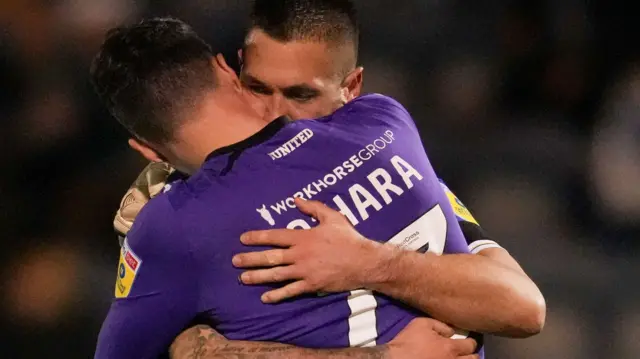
x=479, y=338
x=423, y=249
x=472, y=232
x=259, y=137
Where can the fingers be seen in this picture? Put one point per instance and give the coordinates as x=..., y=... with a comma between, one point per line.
x=289, y=291
x=269, y=258
x=424, y=324
x=271, y=275
x=272, y=237
x=443, y=329
x=472, y=356
x=317, y=210
x=465, y=346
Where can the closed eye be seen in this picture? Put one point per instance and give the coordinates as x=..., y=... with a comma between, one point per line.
x=300, y=93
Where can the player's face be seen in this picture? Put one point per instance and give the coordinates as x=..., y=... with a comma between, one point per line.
x=302, y=74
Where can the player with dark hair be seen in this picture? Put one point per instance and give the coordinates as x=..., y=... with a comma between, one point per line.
x=304, y=53
x=176, y=263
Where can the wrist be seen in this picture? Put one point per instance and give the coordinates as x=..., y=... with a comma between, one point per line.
x=385, y=351
x=384, y=261
x=395, y=350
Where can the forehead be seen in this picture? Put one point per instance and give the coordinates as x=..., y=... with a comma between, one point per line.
x=284, y=64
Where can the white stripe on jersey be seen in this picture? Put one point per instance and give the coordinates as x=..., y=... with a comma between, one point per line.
x=363, y=330
x=478, y=246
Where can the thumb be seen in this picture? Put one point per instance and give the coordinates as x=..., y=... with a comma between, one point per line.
x=443, y=329
x=315, y=209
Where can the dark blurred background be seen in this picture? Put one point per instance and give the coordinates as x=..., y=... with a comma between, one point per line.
x=530, y=110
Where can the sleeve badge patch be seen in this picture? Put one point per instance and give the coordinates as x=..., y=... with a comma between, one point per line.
x=458, y=207
x=128, y=268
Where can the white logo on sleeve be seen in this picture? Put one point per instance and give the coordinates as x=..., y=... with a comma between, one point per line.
x=266, y=215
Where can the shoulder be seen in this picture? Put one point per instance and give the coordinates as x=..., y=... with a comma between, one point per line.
x=375, y=103
x=180, y=193
x=156, y=228
x=170, y=219
x=374, y=108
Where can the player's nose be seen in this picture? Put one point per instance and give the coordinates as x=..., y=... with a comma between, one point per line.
x=277, y=105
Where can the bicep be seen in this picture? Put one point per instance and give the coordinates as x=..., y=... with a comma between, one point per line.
x=503, y=257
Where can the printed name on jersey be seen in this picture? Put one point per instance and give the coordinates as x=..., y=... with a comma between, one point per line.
x=361, y=201
x=459, y=208
x=292, y=144
x=128, y=268
x=340, y=172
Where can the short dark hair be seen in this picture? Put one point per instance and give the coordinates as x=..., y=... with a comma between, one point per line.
x=333, y=21
x=149, y=74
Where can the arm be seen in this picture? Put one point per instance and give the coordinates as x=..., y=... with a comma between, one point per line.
x=497, y=295
x=496, y=299
x=422, y=338
x=470, y=291
x=202, y=342
x=140, y=328
x=530, y=315
x=154, y=302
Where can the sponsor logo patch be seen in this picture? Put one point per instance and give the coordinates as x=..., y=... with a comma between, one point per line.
x=459, y=208
x=128, y=268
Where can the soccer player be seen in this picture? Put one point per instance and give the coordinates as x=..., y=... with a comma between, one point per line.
x=304, y=52
x=176, y=263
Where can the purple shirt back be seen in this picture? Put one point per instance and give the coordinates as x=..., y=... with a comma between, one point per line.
x=365, y=160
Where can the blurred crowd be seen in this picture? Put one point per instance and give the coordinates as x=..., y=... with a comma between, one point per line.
x=529, y=110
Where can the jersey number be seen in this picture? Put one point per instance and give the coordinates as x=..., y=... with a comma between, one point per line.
x=429, y=231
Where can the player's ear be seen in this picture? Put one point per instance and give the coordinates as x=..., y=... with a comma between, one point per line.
x=225, y=75
x=240, y=58
x=146, y=151
x=352, y=84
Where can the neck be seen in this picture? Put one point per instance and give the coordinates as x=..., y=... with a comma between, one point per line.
x=215, y=128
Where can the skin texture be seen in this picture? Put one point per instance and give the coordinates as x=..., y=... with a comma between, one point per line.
x=423, y=338
x=308, y=76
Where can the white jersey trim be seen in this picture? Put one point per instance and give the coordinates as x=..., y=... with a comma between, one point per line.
x=478, y=246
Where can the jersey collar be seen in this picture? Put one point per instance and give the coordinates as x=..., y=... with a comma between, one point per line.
x=259, y=137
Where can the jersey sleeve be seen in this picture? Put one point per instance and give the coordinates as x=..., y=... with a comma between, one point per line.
x=476, y=237
x=155, y=290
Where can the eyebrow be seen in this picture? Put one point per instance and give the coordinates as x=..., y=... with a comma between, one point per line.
x=299, y=88
x=305, y=89
x=249, y=78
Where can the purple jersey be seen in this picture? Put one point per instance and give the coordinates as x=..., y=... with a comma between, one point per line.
x=366, y=160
